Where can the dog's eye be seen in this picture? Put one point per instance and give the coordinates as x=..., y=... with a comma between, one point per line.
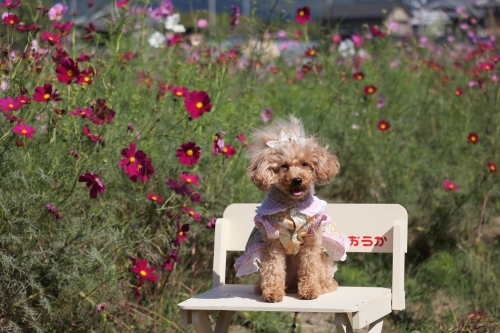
x=305, y=164
x=285, y=166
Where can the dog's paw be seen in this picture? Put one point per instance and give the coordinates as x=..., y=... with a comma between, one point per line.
x=313, y=294
x=330, y=287
x=271, y=297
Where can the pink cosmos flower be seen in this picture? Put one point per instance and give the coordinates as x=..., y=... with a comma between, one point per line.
x=234, y=19
x=57, y=11
x=79, y=112
x=24, y=130
x=93, y=182
x=154, y=197
x=241, y=138
x=336, y=38
x=450, y=186
x=357, y=40
x=188, y=154
x=202, y=23
x=487, y=66
x=192, y=213
x=122, y=3
x=190, y=178
x=53, y=39
x=197, y=103
x=142, y=270
x=218, y=142
x=267, y=114
x=211, y=223
x=64, y=28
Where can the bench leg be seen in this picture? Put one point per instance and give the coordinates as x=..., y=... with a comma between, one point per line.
x=223, y=321
x=343, y=323
x=200, y=322
x=376, y=326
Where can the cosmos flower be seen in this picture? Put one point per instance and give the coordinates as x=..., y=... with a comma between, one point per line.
x=459, y=92
x=24, y=130
x=154, y=197
x=171, y=258
x=142, y=270
x=492, y=167
x=67, y=71
x=9, y=4
x=218, y=142
x=192, y=213
x=267, y=114
x=157, y=39
x=311, y=52
x=197, y=103
x=370, y=90
x=188, y=154
x=473, y=138
x=94, y=183
x=383, y=126
x=10, y=104
x=234, y=19
x=53, y=39
x=241, y=138
x=181, y=234
x=303, y=15
x=450, y=186
x=11, y=20
x=179, y=91
x=57, y=11
x=190, y=179
x=358, y=76
x=228, y=150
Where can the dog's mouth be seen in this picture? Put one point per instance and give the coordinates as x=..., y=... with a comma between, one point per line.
x=297, y=191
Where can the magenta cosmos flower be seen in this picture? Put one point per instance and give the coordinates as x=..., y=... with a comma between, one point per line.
x=450, y=186
x=303, y=15
x=192, y=213
x=11, y=20
x=197, y=103
x=10, y=104
x=218, y=142
x=181, y=234
x=9, y=4
x=267, y=114
x=53, y=39
x=241, y=138
x=93, y=182
x=190, y=178
x=142, y=270
x=171, y=258
x=188, y=154
x=45, y=94
x=228, y=150
x=154, y=197
x=24, y=130
x=234, y=19
x=101, y=113
x=67, y=71
x=179, y=91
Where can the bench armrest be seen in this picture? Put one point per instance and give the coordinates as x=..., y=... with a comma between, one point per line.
x=398, y=265
x=220, y=250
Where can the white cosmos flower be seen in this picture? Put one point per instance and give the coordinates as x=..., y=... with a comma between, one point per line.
x=346, y=47
x=172, y=21
x=157, y=39
x=179, y=28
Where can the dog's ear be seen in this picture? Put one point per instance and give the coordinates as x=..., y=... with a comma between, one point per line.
x=260, y=171
x=326, y=165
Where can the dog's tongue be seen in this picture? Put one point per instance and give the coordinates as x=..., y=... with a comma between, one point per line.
x=297, y=192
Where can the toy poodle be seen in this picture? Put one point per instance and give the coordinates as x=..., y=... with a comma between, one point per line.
x=295, y=243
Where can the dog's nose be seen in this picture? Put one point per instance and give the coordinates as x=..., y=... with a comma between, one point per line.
x=297, y=181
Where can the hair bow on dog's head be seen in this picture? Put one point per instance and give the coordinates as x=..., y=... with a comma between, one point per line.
x=284, y=138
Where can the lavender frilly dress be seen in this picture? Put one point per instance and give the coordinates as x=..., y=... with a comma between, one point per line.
x=290, y=226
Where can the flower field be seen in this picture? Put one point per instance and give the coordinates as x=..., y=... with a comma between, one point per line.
x=119, y=150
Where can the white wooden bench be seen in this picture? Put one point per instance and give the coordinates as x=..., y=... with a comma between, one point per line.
x=376, y=228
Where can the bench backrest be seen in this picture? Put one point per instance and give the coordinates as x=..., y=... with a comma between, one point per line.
x=380, y=228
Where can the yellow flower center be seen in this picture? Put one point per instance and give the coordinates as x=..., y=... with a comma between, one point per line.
x=215, y=138
x=188, y=180
x=493, y=168
x=86, y=79
x=46, y=96
x=58, y=12
x=179, y=93
x=180, y=233
x=370, y=90
x=191, y=212
x=199, y=105
x=224, y=150
x=132, y=159
x=51, y=39
x=302, y=13
x=70, y=73
x=473, y=138
x=457, y=92
x=154, y=198
x=189, y=152
x=24, y=131
x=312, y=52
x=11, y=106
x=382, y=126
x=11, y=22
x=140, y=166
x=451, y=186
x=143, y=273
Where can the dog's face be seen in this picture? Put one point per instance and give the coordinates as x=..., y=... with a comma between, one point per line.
x=292, y=168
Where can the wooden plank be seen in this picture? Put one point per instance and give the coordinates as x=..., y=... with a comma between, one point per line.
x=220, y=252
x=398, y=266
x=243, y=298
x=342, y=323
x=376, y=326
x=223, y=321
x=373, y=311
x=369, y=225
x=200, y=322
x=185, y=317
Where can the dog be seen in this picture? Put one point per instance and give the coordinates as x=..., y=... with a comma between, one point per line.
x=295, y=243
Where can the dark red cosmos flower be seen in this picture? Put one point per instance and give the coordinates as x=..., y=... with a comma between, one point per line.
x=53, y=39
x=84, y=57
x=145, y=168
x=303, y=15
x=359, y=76
x=145, y=79
x=274, y=70
x=195, y=197
x=31, y=27
x=228, y=150
x=59, y=55
x=171, y=258
x=142, y=270
x=197, y=103
x=11, y=20
x=59, y=111
x=101, y=113
x=181, y=234
x=473, y=138
x=234, y=19
x=93, y=182
x=306, y=68
x=176, y=39
x=179, y=91
x=188, y=154
x=67, y=71
x=9, y=4
x=383, y=126
x=179, y=189
x=45, y=94
x=376, y=32
x=86, y=76
x=89, y=31
x=370, y=90
x=64, y=28
x=134, y=162
x=192, y=213
x=459, y=92
x=492, y=166
x=129, y=56
x=79, y=112
x=154, y=197
x=311, y=52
